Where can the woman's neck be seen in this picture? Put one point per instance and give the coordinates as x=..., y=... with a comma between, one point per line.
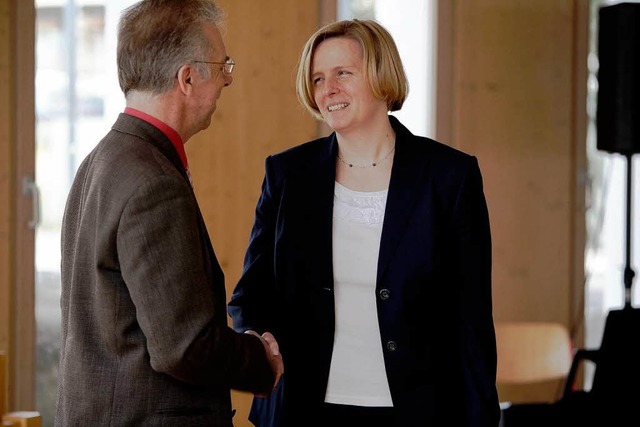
x=365, y=159
x=367, y=146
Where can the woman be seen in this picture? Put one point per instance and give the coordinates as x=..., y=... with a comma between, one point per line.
x=370, y=257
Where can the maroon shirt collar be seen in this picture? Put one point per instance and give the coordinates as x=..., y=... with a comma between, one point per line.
x=170, y=133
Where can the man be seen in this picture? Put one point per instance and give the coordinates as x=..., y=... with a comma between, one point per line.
x=145, y=338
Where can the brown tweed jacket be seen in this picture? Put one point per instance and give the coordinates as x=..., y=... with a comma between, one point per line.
x=145, y=339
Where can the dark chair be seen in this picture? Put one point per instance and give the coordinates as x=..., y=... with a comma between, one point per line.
x=614, y=397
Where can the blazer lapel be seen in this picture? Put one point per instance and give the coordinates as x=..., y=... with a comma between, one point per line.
x=406, y=180
x=317, y=203
x=154, y=136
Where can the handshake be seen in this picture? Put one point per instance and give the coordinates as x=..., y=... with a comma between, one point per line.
x=273, y=354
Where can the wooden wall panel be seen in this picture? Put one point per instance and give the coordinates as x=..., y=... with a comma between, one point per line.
x=257, y=115
x=24, y=328
x=6, y=173
x=17, y=158
x=517, y=101
x=514, y=107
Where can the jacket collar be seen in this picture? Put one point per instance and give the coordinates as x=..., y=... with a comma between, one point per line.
x=137, y=127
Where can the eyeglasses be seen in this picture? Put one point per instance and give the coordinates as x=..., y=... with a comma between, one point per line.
x=227, y=66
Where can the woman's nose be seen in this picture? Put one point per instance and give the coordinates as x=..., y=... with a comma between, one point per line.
x=330, y=87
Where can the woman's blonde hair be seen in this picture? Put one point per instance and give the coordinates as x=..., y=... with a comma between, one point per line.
x=383, y=66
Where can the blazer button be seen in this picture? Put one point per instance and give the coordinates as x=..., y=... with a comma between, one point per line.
x=385, y=294
x=392, y=346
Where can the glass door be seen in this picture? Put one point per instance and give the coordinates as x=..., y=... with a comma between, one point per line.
x=77, y=100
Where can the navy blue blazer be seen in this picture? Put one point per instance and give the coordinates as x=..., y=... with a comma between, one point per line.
x=433, y=284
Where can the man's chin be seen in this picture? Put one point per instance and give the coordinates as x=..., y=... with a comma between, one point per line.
x=206, y=124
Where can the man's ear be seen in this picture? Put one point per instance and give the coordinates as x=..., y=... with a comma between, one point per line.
x=185, y=76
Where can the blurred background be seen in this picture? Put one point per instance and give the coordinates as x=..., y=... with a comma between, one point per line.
x=512, y=82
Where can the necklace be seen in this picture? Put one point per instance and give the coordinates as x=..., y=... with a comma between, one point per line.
x=373, y=164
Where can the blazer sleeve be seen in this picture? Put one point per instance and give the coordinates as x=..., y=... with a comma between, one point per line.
x=473, y=242
x=166, y=266
x=254, y=304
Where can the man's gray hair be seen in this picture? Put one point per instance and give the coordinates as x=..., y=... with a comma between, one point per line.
x=157, y=37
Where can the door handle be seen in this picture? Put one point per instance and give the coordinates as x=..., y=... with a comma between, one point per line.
x=30, y=188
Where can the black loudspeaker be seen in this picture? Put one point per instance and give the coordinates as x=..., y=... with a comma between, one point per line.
x=618, y=111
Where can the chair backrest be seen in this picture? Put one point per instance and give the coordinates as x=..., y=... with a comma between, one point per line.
x=613, y=397
x=618, y=365
x=532, y=351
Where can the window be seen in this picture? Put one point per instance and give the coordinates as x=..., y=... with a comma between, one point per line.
x=77, y=100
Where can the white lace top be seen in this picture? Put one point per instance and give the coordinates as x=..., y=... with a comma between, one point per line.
x=359, y=207
x=357, y=375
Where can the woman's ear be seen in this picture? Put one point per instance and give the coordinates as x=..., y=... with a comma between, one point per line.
x=185, y=75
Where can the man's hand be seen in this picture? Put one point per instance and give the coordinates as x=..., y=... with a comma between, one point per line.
x=273, y=354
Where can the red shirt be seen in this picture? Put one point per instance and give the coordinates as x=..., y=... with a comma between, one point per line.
x=170, y=133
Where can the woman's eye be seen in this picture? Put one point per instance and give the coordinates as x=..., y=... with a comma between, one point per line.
x=316, y=81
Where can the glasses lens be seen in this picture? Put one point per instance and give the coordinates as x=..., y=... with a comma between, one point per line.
x=228, y=66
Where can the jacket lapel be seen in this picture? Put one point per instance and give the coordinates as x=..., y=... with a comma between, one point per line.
x=406, y=181
x=154, y=136
x=317, y=203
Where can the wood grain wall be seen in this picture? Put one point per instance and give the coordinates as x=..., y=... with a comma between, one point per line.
x=6, y=175
x=517, y=100
x=515, y=97
x=257, y=115
x=17, y=161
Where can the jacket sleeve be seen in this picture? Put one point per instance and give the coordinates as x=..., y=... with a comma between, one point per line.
x=478, y=345
x=253, y=304
x=166, y=265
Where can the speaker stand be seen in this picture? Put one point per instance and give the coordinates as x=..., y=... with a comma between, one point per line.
x=628, y=271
